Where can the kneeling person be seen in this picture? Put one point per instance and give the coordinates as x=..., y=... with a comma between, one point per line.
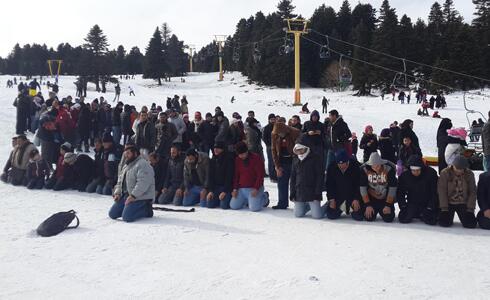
x=196, y=168
x=306, y=181
x=220, y=178
x=135, y=188
x=483, y=194
x=417, y=192
x=378, y=189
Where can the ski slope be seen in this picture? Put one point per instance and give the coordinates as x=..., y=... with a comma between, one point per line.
x=215, y=254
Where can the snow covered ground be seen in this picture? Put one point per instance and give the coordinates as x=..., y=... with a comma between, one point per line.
x=215, y=254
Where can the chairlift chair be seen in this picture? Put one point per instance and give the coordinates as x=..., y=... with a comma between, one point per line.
x=345, y=75
x=325, y=50
x=257, y=55
x=400, y=81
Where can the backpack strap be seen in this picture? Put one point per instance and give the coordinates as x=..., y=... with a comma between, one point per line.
x=78, y=221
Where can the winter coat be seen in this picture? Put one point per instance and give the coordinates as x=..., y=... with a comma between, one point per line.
x=405, y=152
x=395, y=133
x=344, y=185
x=306, y=182
x=111, y=158
x=83, y=170
x=180, y=126
x=160, y=171
x=65, y=123
x=145, y=136
x=267, y=134
x=249, y=173
x=446, y=189
x=221, y=170
x=116, y=116
x=287, y=142
x=253, y=140
x=455, y=147
x=126, y=123
x=84, y=120
x=37, y=170
x=339, y=134
x=201, y=167
x=315, y=141
x=368, y=149
x=442, y=141
x=385, y=146
x=207, y=133
x=175, y=173
x=408, y=132
x=20, y=156
x=60, y=168
x=223, y=130
x=379, y=187
x=23, y=104
x=139, y=180
x=418, y=191
x=166, y=134
x=99, y=165
x=485, y=138
x=483, y=191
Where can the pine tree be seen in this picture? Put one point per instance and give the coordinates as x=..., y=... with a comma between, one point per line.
x=482, y=24
x=176, y=57
x=285, y=9
x=166, y=33
x=134, y=61
x=120, y=60
x=155, y=65
x=96, y=46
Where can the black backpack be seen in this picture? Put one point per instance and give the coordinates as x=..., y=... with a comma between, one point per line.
x=57, y=223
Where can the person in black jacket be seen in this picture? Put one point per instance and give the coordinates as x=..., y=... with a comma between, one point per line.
x=173, y=188
x=407, y=131
x=369, y=142
x=395, y=136
x=314, y=131
x=23, y=104
x=116, y=122
x=126, y=129
x=145, y=137
x=385, y=145
x=266, y=137
x=442, y=141
x=98, y=181
x=343, y=186
x=78, y=171
x=207, y=132
x=483, y=196
x=417, y=193
x=306, y=183
x=220, y=178
x=38, y=171
x=339, y=136
x=83, y=126
x=159, y=165
x=165, y=135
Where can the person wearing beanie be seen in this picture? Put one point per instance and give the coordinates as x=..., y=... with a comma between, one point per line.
x=385, y=145
x=306, y=181
x=220, y=177
x=343, y=187
x=417, y=193
x=483, y=195
x=37, y=171
x=248, y=181
x=369, y=142
x=196, y=176
x=173, y=187
x=283, y=142
x=378, y=186
x=456, y=143
x=267, y=138
x=207, y=133
x=166, y=133
x=134, y=191
x=457, y=194
x=56, y=181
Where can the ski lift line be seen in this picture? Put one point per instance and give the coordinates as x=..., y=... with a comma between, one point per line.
x=399, y=58
x=262, y=42
x=259, y=41
x=391, y=70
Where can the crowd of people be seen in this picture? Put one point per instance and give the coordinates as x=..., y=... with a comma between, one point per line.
x=159, y=156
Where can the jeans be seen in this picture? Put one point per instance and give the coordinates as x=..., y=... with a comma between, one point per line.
x=301, y=208
x=486, y=163
x=170, y=197
x=131, y=212
x=194, y=196
x=245, y=198
x=283, y=185
x=215, y=202
x=270, y=164
x=100, y=186
x=116, y=134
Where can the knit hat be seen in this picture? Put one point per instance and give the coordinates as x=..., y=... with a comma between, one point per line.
x=375, y=159
x=271, y=116
x=66, y=147
x=241, y=148
x=219, y=145
x=341, y=156
x=459, y=133
x=385, y=132
x=191, y=151
x=367, y=128
x=70, y=158
x=460, y=162
x=415, y=162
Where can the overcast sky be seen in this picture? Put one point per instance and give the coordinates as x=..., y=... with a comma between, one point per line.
x=131, y=23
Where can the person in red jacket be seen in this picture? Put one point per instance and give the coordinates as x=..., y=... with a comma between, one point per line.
x=248, y=181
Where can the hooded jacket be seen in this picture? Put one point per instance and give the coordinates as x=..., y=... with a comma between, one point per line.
x=315, y=140
x=221, y=171
x=339, y=134
x=418, y=191
x=306, y=183
x=283, y=136
x=446, y=189
x=201, y=167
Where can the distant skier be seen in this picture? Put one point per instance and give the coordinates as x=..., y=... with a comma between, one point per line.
x=131, y=91
x=118, y=93
x=325, y=103
x=232, y=99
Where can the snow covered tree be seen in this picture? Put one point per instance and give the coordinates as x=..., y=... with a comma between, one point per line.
x=155, y=66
